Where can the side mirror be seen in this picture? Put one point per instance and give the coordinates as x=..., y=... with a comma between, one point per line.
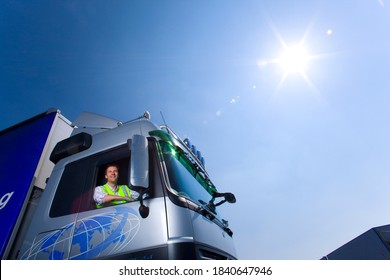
x=139, y=169
x=229, y=197
x=139, y=165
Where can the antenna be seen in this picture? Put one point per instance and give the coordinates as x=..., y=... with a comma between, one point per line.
x=165, y=124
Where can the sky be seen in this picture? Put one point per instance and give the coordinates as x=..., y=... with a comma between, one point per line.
x=287, y=100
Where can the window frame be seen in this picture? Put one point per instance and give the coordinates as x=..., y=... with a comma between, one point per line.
x=74, y=193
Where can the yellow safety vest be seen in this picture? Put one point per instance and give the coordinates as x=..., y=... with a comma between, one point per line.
x=121, y=192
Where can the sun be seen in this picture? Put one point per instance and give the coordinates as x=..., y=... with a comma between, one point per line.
x=294, y=60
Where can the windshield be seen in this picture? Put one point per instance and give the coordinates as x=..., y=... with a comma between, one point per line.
x=184, y=177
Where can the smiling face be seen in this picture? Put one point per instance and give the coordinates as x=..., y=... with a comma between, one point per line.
x=112, y=175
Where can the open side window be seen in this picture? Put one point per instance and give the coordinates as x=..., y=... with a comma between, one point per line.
x=79, y=179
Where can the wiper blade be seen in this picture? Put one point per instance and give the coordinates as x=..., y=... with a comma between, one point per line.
x=205, y=210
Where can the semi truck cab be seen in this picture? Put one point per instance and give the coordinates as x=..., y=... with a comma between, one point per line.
x=176, y=215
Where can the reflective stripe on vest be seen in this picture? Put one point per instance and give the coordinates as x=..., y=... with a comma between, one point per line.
x=121, y=192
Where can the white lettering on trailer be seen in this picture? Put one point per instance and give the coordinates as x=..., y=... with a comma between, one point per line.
x=4, y=200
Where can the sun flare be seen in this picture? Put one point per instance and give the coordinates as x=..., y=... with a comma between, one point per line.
x=294, y=59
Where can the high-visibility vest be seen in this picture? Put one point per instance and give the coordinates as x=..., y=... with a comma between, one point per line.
x=123, y=190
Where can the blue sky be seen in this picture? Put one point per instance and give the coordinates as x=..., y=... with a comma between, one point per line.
x=306, y=153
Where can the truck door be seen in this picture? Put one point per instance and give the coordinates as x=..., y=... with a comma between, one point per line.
x=112, y=232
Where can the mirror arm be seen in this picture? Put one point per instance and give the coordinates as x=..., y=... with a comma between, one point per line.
x=220, y=203
x=227, y=197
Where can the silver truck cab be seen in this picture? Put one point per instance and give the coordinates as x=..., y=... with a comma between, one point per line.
x=176, y=215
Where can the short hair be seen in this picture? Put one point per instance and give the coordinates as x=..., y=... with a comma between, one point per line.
x=111, y=165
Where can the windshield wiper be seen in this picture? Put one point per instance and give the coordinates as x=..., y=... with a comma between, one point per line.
x=207, y=210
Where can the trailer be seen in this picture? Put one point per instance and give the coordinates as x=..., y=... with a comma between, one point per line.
x=55, y=166
x=24, y=160
x=373, y=244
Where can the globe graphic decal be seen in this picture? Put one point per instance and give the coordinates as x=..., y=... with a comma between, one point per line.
x=89, y=238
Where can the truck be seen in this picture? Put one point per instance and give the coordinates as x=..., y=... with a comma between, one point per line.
x=51, y=167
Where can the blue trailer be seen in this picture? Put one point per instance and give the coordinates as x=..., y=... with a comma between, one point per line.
x=25, y=149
